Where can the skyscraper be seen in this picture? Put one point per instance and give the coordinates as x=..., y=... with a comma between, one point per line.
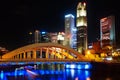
x=60, y=38
x=45, y=37
x=81, y=24
x=70, y=31
x=37, y=36
x=107, y=31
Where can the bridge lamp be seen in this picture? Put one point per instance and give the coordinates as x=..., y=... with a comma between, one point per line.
x=79, y=66
x=72, y=66
x=67, y=65
x=87, y=66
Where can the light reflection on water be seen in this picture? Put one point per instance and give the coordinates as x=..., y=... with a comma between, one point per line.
x=68, y=74
x=57, y=72
x=45, y=72
x=73, y=74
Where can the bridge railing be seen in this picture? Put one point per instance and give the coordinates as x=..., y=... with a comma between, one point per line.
x=42, y=60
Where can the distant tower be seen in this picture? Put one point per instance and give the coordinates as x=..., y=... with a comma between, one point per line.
x=45, y=37
x=53, y=37
x=81, y=24
x=30, y=38
x=70, y=31
x=60, y=38
x=37, y=36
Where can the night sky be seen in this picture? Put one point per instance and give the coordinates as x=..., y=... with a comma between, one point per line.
x=19, y=17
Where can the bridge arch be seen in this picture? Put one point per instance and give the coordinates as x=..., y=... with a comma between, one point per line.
x=51, y=50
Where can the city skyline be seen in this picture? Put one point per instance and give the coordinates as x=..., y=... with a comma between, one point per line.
x=17, y=20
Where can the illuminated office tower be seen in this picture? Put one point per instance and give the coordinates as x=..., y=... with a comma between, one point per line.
x=70, y=31
x=81, y=24
x=45, y=37
x=107, y=31
x=37, y=36
x=53, y=37
x=60, y=38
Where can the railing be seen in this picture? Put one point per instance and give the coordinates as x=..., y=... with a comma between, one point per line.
x=42, y=60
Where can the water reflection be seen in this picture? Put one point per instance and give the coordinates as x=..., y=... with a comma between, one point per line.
x=75, y=74
x=45, y=72
x=58, y=72
x=2, y=75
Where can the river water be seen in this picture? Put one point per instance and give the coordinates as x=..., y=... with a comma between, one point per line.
x=58, y=72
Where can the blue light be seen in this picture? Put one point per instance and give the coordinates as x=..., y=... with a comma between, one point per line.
x=42, y=72
x=72, y=66
x=15, y=73
x=67, y=70
x=67, y=66
x=83, y=65
x=52, y=72
x=2, y=75
x=74, y=29
x=38, y=62
x=20, y=73
x=87, y=66
x=69, y=15
x=47, y=72
x=72, y=72
x=43, y=32
x=13, y=63
x=21, y=63
x=60, y=72
x=87, y=73
x=79, y=67
x=9, y=74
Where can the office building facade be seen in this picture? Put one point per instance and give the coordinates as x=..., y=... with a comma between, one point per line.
x=37, y=36
x=81, y=24
x=107, y=31
x=70, y=31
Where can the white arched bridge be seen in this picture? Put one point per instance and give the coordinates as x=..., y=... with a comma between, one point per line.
x=43, y=52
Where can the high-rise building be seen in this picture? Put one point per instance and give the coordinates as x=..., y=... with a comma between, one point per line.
x=53, y=37
x=60, y=38
x=81, y=24
x=37, y=36
x=70, y=31
x=45, y=37
x=107, y=31
x=31, y=38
